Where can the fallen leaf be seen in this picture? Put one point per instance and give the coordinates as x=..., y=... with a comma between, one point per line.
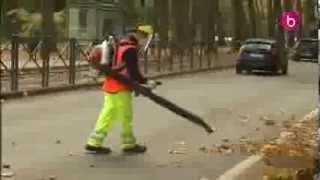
x=263, y=118
x=52, y=177
x=179, y=152
x=244, y=139
x=7, y=166
x=7, y=174
x=182, y=143
x=244, y=116
x=269, y=122
x=225, y=140
x=203, y=149
x=228, y=151
x=204, y=178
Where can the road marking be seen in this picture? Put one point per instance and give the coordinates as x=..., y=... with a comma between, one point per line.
x=241, y=169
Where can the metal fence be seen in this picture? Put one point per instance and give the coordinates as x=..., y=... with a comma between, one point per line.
x=26, y=66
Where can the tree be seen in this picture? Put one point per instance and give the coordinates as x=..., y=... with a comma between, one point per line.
x=1, y=18
x=219, y=24
x=180, y=12
x=309, y=18
x=129, y=11
x=31, y=22
x=287, y=6
x=161, y=9
x=271, y=18
x=280, y=32
x=252, y=17
x=239, y=20
x=299, y=9
x=205, y=8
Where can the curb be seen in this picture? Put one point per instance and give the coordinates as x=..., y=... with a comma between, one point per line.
x=252, y=167
x=246, y=169
x=43, y=91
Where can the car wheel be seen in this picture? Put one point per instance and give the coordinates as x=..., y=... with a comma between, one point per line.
x=284, y=70
x=274, y=72
x=238, y=70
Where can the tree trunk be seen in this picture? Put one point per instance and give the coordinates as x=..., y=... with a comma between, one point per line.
x=287, y=6
x=277, y=12
x=270, y=19
x=238, y=15
x=205, y=20
x=180, y=12
x=220, y=25
x=129, y=12
x=161, y=23
x=252, y=16
x=190, y=23
x=213, y=17
x=299, y=9
x=309, y=19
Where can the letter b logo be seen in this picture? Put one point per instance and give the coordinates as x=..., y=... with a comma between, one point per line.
x=290, y=20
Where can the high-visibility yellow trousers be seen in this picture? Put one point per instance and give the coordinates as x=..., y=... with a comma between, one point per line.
x=117, y=107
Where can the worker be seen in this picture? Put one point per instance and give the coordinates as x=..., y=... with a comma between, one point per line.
x=118, y=99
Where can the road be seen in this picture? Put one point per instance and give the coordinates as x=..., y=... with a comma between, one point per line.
x=32, y=126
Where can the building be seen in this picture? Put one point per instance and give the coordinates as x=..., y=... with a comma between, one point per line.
x=90, y=19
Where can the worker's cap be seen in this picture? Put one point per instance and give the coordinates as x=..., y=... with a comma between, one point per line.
x=145, y=29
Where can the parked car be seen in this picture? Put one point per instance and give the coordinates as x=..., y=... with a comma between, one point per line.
x=263, y=55
x=305, y=49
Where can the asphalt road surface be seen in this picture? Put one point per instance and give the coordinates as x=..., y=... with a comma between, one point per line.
x=32, y=126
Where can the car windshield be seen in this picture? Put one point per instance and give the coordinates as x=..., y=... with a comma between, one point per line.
x=256, y=46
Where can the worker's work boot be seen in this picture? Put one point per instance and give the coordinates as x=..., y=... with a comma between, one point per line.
x=134, y=149
x=98, y=149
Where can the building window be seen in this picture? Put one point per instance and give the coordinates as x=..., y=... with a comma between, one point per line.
x=83, y=19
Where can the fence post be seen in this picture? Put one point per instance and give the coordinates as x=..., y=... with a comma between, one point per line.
x=181, y=53
x=208, y=56
x=45, y=62
x=200, y=56
x=72, y=63
x=171, y=49
x=191, y=57
x=14, y=63
x=146, y=62
x=159, y=49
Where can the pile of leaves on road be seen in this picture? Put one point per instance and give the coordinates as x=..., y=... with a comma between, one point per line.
x=297, y=139
x=294, y=153
x=245, y=147
x=291, y=156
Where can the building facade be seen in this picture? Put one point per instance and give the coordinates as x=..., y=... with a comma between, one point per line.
x=90, y=19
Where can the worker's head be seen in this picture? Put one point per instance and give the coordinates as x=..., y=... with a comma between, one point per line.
x=141, y=33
